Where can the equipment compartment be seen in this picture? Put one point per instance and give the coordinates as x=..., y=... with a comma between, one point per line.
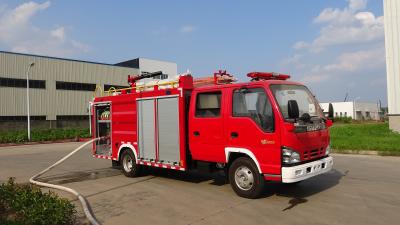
x=158, y=129
x=146, y=129
x=103, y=128
x=168, y=130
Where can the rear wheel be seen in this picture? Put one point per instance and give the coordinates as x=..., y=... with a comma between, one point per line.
x=245, y=179
x=128, y=164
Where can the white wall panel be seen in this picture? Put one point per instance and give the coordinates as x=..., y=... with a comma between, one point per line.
x=392, y=43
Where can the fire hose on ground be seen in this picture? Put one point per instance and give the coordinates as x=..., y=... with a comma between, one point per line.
x=86, y=207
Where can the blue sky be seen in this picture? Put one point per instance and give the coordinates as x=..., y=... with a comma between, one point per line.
x=334, y=46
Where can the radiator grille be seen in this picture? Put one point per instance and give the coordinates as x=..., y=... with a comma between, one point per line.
x=313, y=154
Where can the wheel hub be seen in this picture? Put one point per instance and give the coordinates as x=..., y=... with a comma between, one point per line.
x=244, y=178
x=127, y=163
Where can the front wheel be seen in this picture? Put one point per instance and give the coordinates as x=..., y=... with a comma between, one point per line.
x=245, y=179
x=129, y=166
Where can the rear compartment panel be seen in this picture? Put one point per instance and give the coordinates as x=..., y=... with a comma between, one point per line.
x=146, y=128
x=168, y=129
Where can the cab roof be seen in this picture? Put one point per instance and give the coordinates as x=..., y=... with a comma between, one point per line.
x=242, y=84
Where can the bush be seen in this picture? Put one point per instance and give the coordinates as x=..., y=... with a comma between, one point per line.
x=27, y=204
x=343, y=119
x=43, y=135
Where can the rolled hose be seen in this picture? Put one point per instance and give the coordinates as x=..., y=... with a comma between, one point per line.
x=85, y=204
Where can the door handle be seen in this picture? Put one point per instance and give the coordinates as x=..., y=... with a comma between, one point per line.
x=234, y=134
x=196, y=133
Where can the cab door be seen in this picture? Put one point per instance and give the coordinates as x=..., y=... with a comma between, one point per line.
x=206, y=126
x=251, y=125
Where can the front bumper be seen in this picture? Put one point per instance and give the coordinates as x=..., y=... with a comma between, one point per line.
x=307, y=170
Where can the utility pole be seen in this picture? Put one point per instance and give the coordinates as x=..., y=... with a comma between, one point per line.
x=345, y=98
x=27, y=99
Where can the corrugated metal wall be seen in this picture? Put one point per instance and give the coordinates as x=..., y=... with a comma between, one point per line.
x=392, y=42
x=51, y=102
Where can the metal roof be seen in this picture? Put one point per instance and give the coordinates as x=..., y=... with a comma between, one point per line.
x=58, y=58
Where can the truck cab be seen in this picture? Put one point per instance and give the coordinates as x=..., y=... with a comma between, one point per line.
x=265, y=130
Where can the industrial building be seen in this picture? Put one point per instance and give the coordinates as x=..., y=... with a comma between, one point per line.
x=392, y=39
x=355, y=110
x=60, y=89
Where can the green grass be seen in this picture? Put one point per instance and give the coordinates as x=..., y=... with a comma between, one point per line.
x=43, y=135
x=27, y=204
x=372, y=136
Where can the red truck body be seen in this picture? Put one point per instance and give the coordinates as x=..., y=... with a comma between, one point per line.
x=176, y=125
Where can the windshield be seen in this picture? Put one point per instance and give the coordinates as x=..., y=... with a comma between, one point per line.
x=305, y=100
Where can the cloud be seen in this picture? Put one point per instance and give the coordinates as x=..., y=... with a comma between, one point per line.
x=58, y=33
x=314, y=78
x=346, y=55
x=187, y=29
x=350, y=41
x=358, y=60
x=348, y=63
x=17, y=33
x=300, y=45
x=330, y=15
x=355, y=5
x=345, y=26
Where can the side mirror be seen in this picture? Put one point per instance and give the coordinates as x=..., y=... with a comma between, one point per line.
x=293, y=109
x=330, y=112
x=329, y=123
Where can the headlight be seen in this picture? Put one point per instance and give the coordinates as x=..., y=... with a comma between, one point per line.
x=328, y=150
x=290, y=156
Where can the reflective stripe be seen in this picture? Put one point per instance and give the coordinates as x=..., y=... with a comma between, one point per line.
x=158, y=164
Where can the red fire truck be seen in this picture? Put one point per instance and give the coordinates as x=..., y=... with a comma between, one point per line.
x=267, y=129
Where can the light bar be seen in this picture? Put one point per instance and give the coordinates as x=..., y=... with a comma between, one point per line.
x=267, y=76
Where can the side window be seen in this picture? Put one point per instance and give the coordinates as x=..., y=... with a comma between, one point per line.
x=208, y=105
x=253, y=103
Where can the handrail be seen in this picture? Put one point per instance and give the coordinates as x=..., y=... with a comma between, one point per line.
x=139, y=87
x=101, y=91
x=110, y=90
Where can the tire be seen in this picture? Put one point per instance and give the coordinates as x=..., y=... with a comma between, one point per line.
x=245, y=179
x=128, y=164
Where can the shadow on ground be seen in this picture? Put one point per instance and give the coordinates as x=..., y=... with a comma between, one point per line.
x=77, y=176
x=298, y=192
x=217, y=178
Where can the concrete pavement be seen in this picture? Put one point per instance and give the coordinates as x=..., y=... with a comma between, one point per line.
x=359, y=190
